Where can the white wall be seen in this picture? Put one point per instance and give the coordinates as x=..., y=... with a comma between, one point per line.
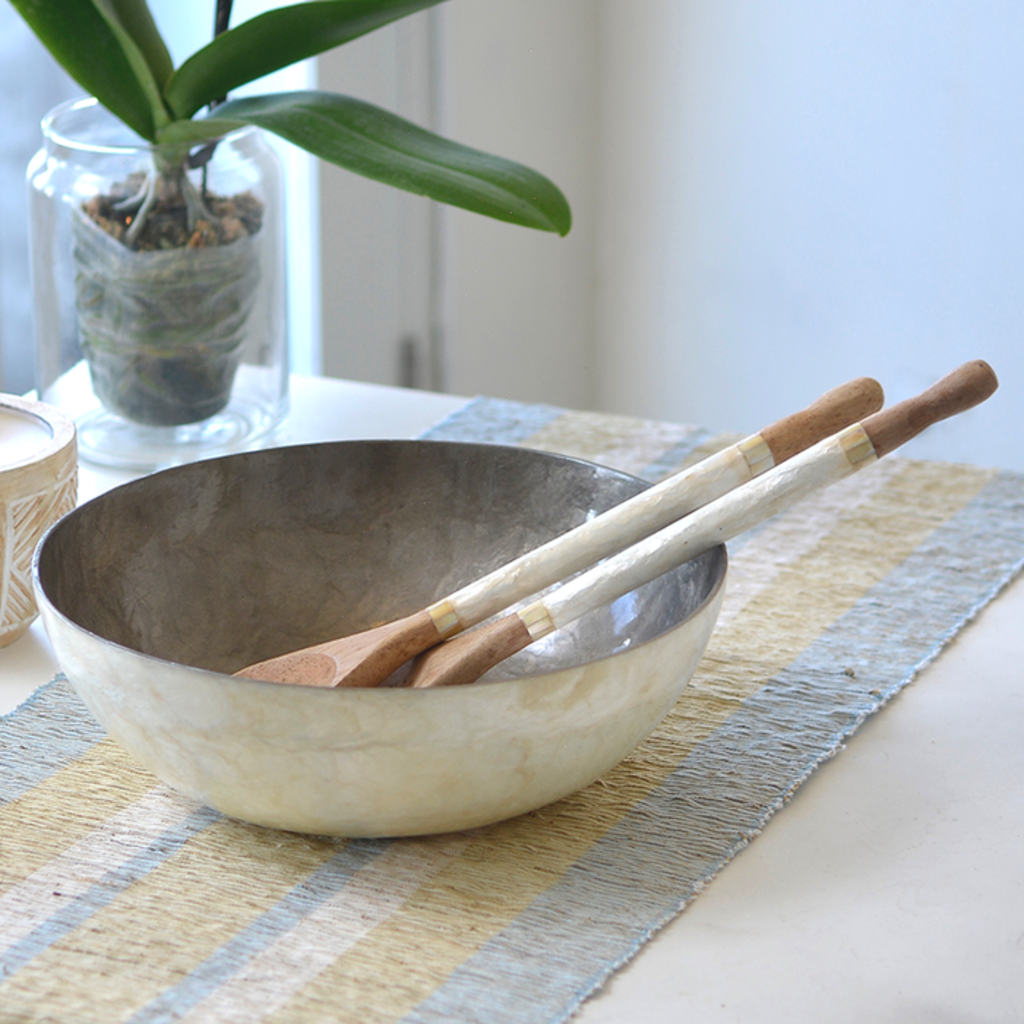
x=795, y=193
x=769, y=196
x=521, y=80
x=380, y=296
x=488, y=307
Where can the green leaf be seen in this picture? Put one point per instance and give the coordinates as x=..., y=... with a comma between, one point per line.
x=138, y=22
x=275, y=40
x=136, y=58
x=85, y=44
x=379, y=145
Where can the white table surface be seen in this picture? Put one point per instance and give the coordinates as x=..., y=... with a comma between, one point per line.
x=891, y=889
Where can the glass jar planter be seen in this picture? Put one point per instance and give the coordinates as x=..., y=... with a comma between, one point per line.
x=159, y=289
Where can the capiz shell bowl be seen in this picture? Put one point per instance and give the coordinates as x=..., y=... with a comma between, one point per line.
x=153, y=593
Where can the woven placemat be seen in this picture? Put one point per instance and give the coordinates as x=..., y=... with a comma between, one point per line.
x=121, y=901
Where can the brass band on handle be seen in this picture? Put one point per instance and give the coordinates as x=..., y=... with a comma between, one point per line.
x=858, y=447
x=446, y=618
x=757, y=454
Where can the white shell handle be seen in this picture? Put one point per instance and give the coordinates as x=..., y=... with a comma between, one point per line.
x=656, y=507
x=734, y=513
x=729, y=516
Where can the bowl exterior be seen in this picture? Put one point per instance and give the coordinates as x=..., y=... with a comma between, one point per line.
x=380, y=762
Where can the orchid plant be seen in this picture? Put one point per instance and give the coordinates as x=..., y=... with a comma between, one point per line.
x=114, y=50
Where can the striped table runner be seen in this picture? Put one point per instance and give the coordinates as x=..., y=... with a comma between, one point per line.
x=123, y=902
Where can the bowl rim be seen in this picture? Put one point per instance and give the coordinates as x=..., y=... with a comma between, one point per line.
x=44, y=601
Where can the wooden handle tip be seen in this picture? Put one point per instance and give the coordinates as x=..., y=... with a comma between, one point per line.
x=967, y=386
x=986, y=381
x=838, y=408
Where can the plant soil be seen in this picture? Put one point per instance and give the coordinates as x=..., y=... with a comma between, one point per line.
x=166, y=226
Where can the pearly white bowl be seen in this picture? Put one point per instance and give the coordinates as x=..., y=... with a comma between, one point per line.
x=154, y=592
x=38, y=484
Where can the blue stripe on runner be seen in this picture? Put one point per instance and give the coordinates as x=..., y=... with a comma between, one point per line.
x=670, y=460
x=46, y=733
x=103, y=892
x=329, y=879
x=654, y=862
x=493, y=420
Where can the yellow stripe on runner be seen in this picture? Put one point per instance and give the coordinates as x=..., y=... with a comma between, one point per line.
x=169, y=921
x=81, y=796
x=503, y=870
x=621, y=441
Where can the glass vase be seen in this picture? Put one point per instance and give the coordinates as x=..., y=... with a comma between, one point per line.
x=158, y=281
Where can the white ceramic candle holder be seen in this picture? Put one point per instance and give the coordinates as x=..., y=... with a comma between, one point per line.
x=38, y=484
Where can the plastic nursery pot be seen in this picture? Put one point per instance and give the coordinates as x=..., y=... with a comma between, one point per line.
x=159, y=288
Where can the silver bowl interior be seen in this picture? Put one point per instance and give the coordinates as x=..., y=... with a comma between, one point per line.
x=225, y=562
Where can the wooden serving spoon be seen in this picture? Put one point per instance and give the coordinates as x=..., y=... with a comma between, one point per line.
x=466, y=658
x=369, y=657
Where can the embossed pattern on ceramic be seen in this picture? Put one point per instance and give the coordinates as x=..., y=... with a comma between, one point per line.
x=38, y=484
x=153, y=592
